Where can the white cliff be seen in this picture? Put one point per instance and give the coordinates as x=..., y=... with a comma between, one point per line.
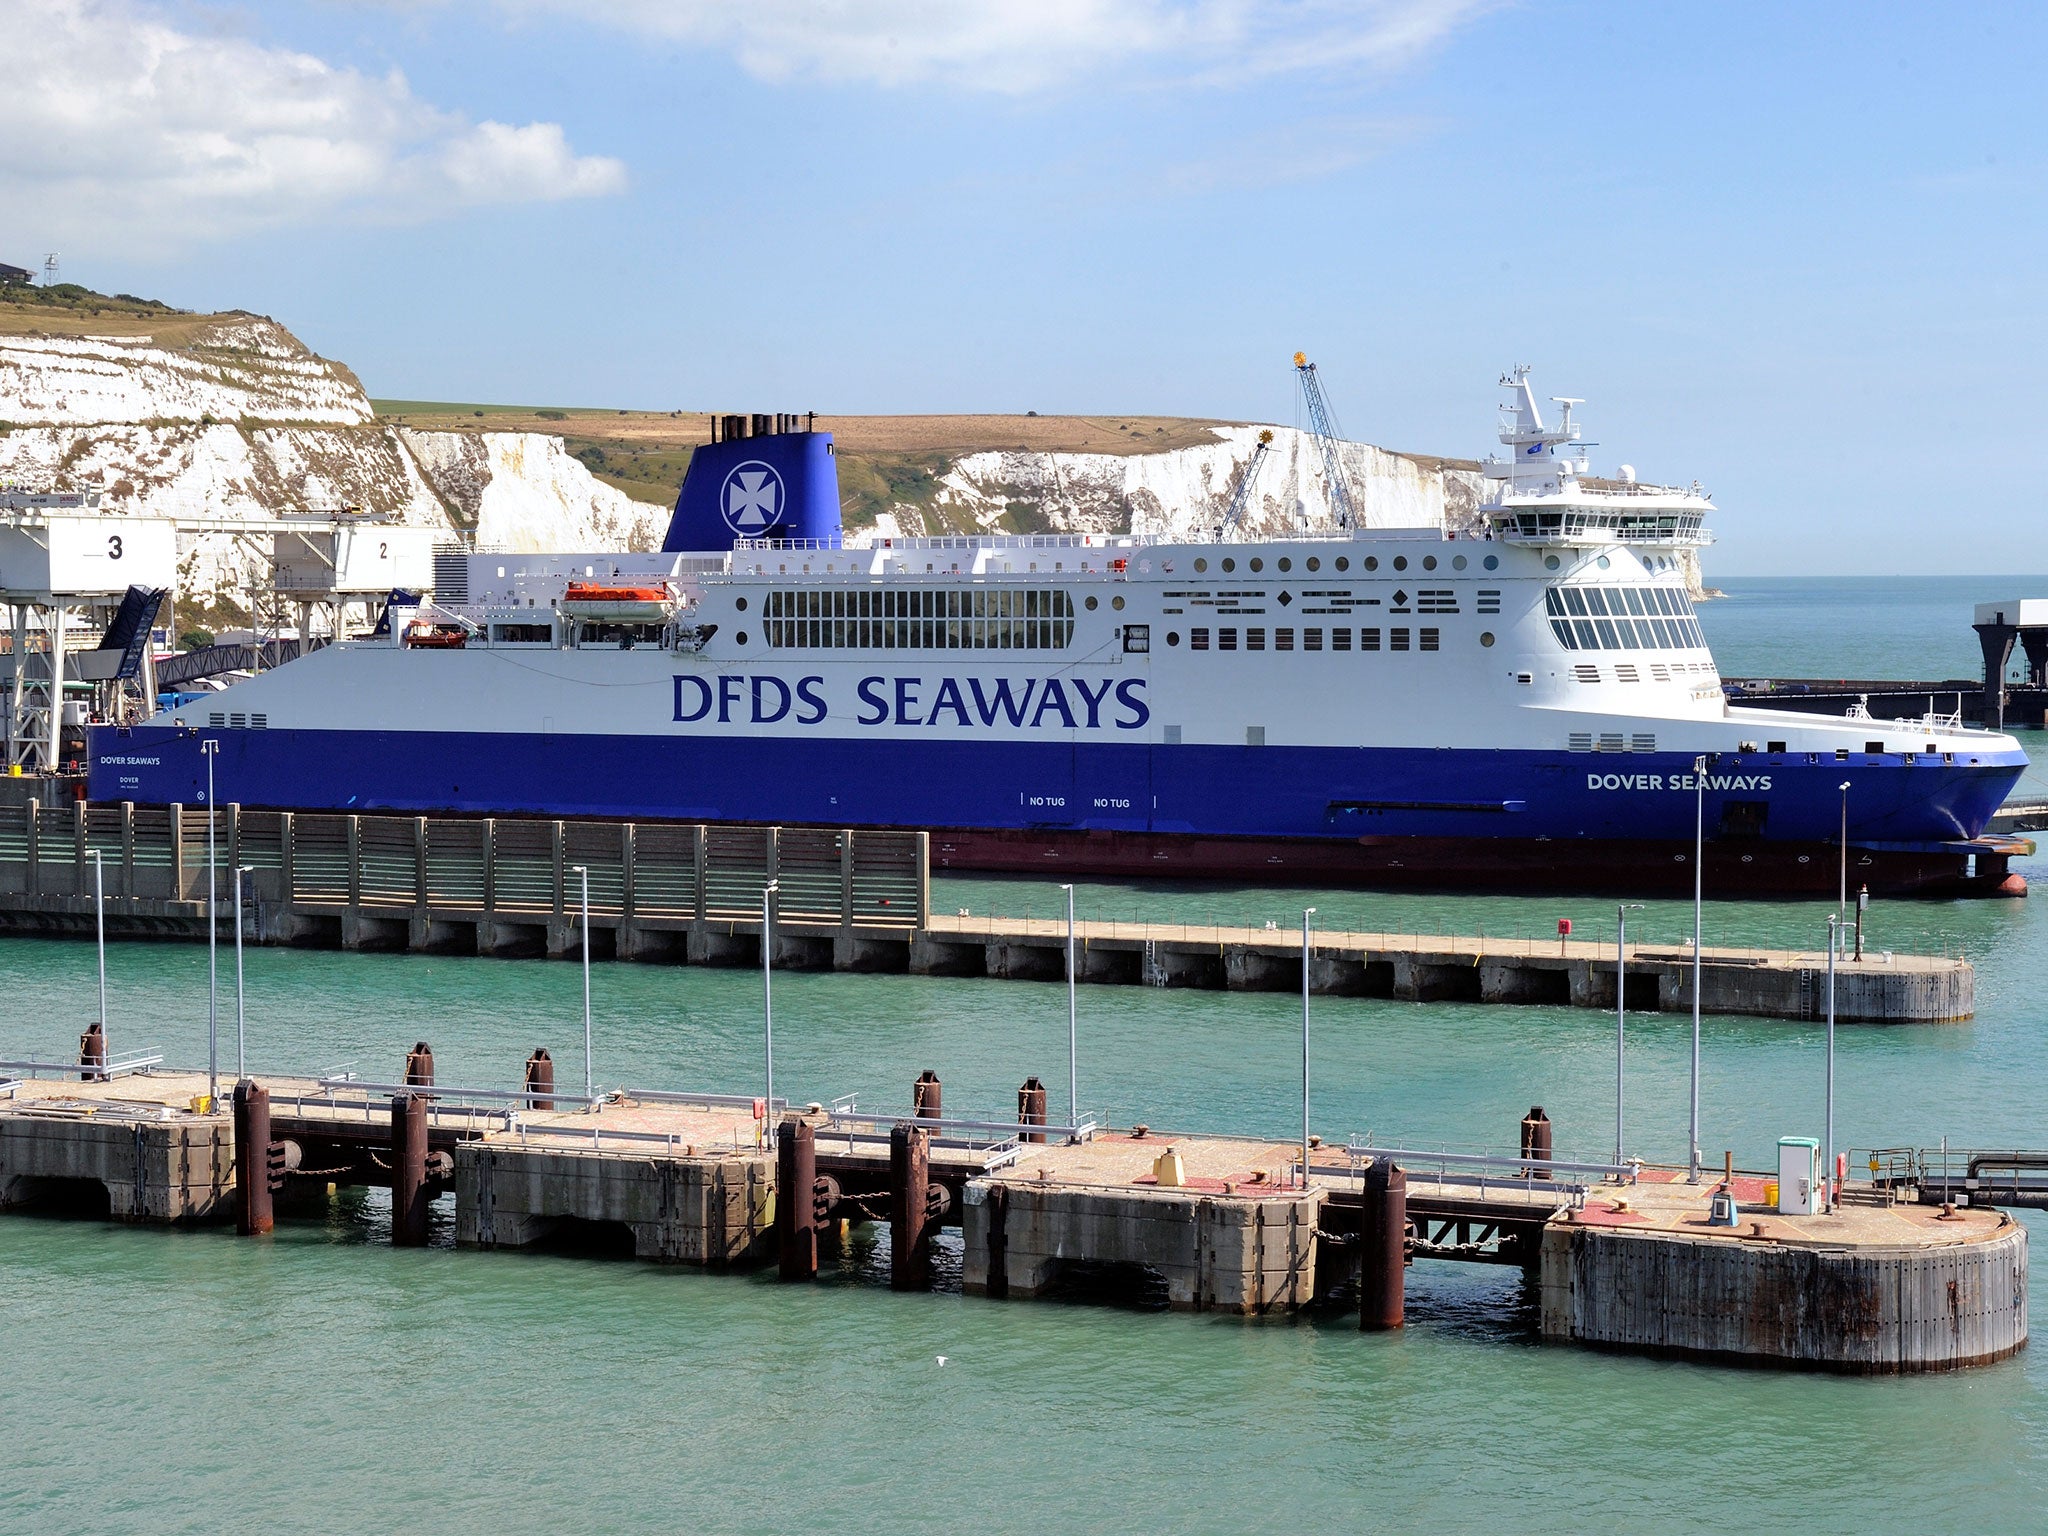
x=524, y=491
x=1185, y=492
x=233, y=420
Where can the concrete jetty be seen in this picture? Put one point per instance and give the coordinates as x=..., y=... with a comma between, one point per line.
x=846, y=899
x=1626, y=1258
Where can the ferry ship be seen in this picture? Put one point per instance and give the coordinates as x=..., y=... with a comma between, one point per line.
x=1529, y=704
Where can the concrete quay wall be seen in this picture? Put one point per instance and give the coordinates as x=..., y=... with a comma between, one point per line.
x=680, y=1210
x=152, y=1170
x=1214, y=1253
x=1863, y=1310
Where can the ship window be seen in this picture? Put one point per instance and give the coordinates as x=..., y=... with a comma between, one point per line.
x=1489, y=601
x=1314, y=563
x=1774, y=746
x=1609, y=639
x=1173, y=637
x=1874, y=748
x=1574, y=600
x=1257, y=564
x=1372, y=563
x=1429, y=562
x=1344, y=563
x=1634, y=599
x=1579, y=741
x=1400, y=562
x=1311, y=639
x=1198, y=639
x=1486, y=637
x=1340, y=639
x=1229, y=565
x=1563, y=630
x=1286, y=564
x=1137, y=639
x=1368, y=639
x=1226, y=639
x=1428, y=639
x=1201, y=565
x=1032, y=619
x=1397, y=639
x=1255, y=639
x=1589, y=638
x=1090, y=604
x=1283, y=639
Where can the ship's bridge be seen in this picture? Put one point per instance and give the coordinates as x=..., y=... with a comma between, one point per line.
x=1543, y=497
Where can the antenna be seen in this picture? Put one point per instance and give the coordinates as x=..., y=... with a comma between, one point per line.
x=49, y=269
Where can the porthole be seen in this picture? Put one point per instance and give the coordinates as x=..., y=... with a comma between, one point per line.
x=1286, y=564
x=741, y=604
x=1457, y=562
x=1229, y=565
x=1493, y=562
x=1603, y=562
x=1372, y=562
x=1201, y=565
x=1550, y=562
x=1429, y=562
x=1258, y=564
x=1400, y=562
x=1091, y=604
x=741, y=637
x=1173, y=637
x=1343, y=562
x=1314, y=564
x=1117, y=603
x=1486, y=637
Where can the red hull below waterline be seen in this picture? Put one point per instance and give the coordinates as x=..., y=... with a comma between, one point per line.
x=1752, y=868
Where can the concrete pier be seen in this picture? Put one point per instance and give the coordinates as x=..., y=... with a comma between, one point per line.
x=847, y=900
x=1627, y=1261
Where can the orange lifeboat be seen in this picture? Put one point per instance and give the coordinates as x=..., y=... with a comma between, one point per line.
x=425, y=635
x=613, y=603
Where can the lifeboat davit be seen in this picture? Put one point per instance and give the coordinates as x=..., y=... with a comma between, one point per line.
x=601, y=603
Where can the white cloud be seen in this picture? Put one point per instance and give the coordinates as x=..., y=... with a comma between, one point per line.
x=1030, y=45
x=120, y=125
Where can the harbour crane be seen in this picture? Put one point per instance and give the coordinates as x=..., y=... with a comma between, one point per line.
x=1325, y=431
x=1241, y=497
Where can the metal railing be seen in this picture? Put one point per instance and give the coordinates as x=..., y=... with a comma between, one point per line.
x=129, y=1065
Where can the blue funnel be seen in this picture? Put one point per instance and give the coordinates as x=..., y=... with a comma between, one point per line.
x=776, y=485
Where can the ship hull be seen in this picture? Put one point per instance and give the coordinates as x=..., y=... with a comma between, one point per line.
x=1365, y=816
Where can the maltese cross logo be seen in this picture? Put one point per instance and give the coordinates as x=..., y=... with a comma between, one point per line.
x=751, y=499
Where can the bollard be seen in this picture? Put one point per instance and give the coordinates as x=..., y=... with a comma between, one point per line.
x=1031, y=1107
x=92, y=1054
x=1383, y=1257
x=910, y=1249
x=924, y=1096
x=540, y=1079
x=419, y=1066
x=1536, y=1143
x=796, y=1177
x=409, y=1170
x=252, y=1159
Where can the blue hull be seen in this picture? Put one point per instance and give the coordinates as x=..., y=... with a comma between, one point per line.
x=1342, y=797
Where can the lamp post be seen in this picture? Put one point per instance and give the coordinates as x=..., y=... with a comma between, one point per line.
x=99, y=906
x=1621, y=1017
x=210, y=749
x=1073, y=1055
x=1306, y=914
x=241, y=1033
x=589, y=1088
x=1699, y=850
x=1827, y=1172
x=1842, y=898
x=768, y=1004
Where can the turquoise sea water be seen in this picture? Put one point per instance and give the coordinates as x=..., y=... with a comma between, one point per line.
x=320, y=1381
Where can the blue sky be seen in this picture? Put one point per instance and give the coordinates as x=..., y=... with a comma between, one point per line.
x=1792, y=251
